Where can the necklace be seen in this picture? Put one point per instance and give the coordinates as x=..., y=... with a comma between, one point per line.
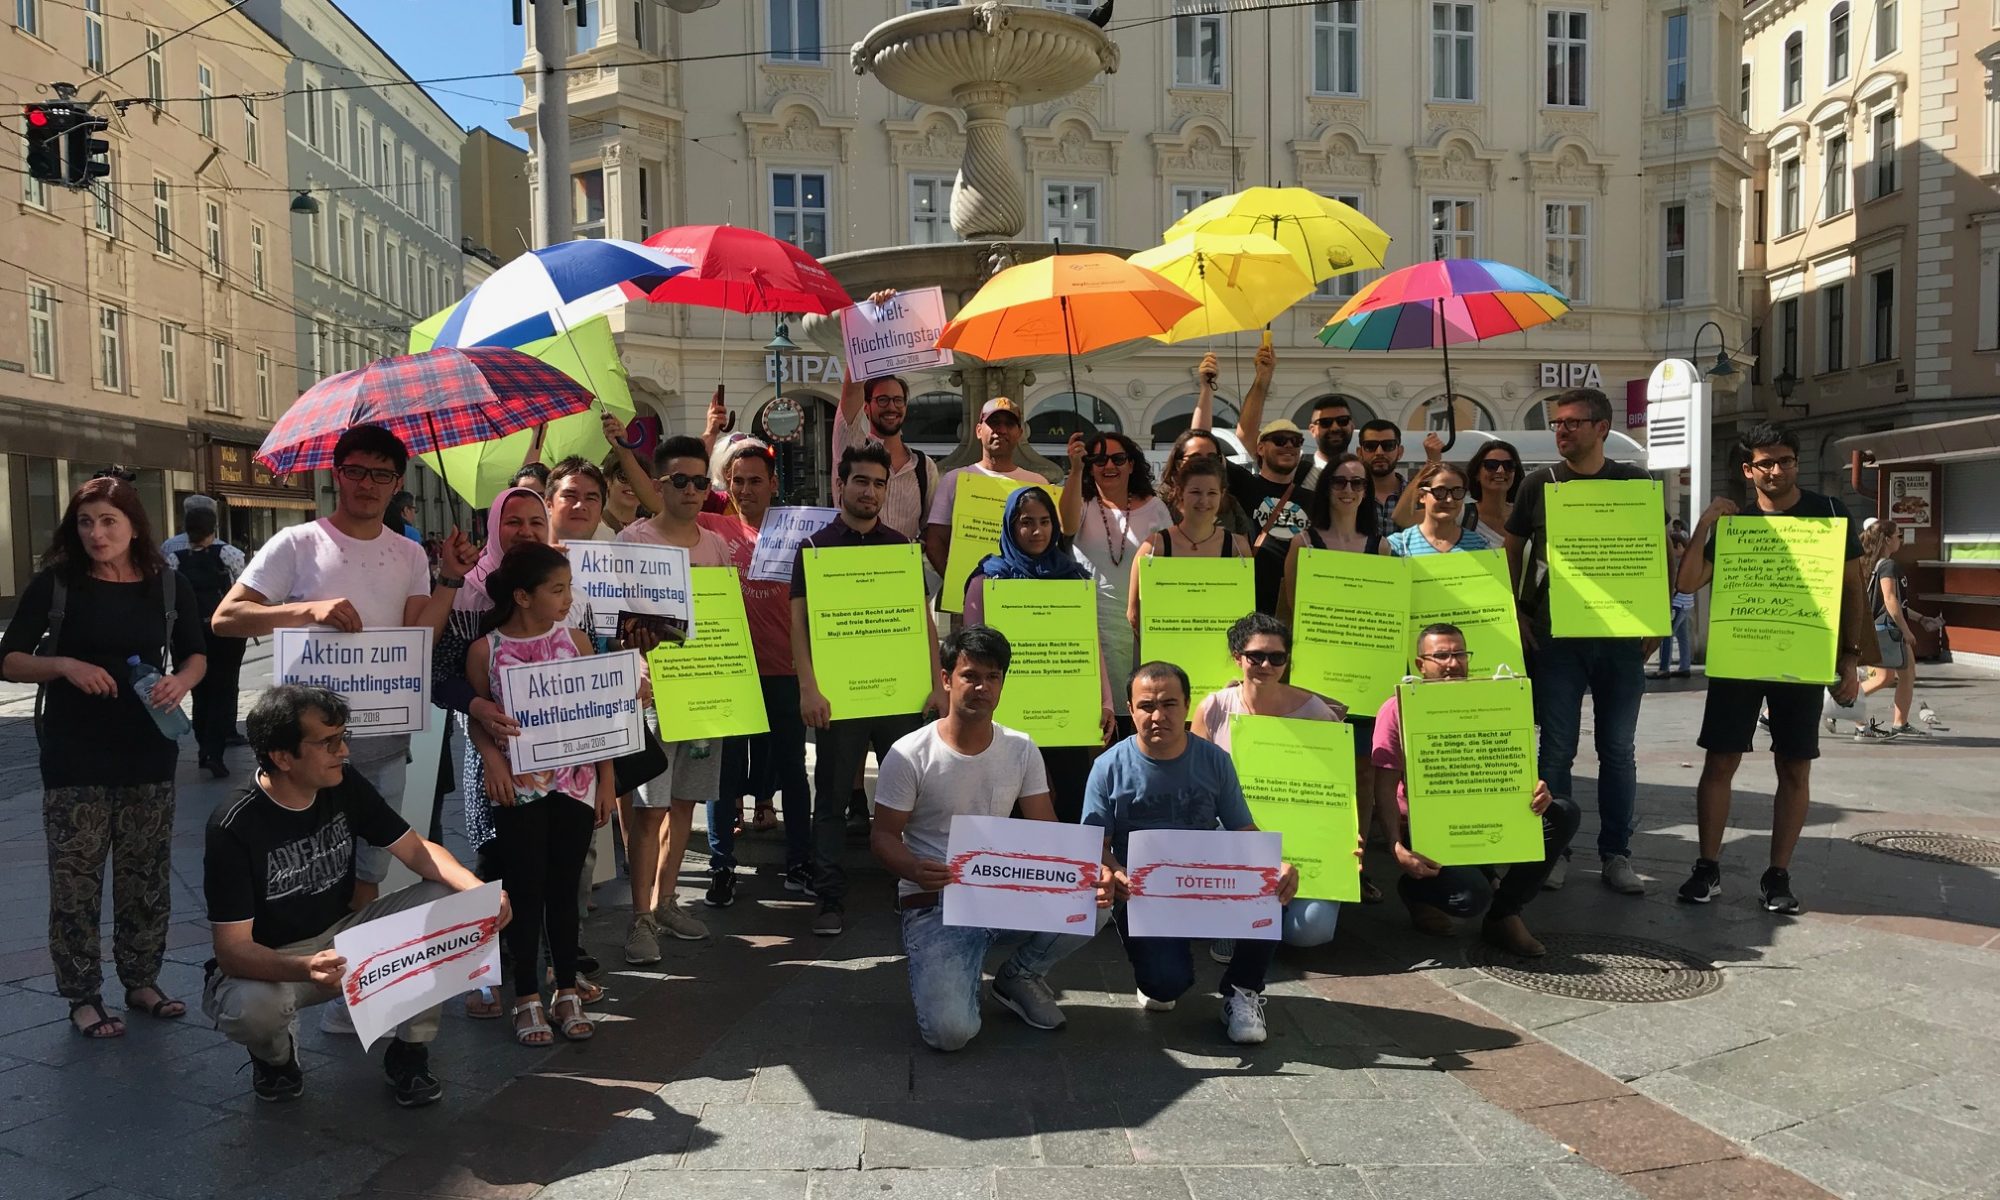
x=1196, y=543
x=1115, y=546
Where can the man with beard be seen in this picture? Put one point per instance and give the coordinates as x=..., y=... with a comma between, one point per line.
x=1381, y=449
x=1332, y=428
x=999, y=433
x=873, y=411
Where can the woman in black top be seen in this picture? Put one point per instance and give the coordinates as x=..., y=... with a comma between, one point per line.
x=103, y=595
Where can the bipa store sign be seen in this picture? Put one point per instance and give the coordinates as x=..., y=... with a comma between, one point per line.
x=1569, y=375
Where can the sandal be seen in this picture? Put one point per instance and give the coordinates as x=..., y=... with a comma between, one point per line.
x=536, y=1032
x=1370, y=894
x=484, y=1006
x=576, y=1027
x=95, y=1031
x=590, y=992
x=166, y=1008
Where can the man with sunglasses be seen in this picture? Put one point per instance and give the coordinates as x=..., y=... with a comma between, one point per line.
x=999, y=434
x=1380, y=449
x=1433, y=894
x=874, y=411
x=1612, y=670
x=1729, y=715
x=1332, y=429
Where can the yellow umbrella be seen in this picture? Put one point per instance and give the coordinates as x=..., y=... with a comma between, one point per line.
x=1242, y=281
x=1327, y=237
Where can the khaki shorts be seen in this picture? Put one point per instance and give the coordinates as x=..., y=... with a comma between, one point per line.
x=687, y=778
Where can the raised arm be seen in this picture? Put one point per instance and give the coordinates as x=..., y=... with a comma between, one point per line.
x=1204, y=398
x=636, y=475
x=1250, y=415
x=1070, y=504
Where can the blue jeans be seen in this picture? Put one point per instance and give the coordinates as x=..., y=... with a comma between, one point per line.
x=1469, y=891
x=947, y=963
x=773, y=762
x=1613, y=671
x=1677, y=638
x=1311, y=922
x=1164, y=967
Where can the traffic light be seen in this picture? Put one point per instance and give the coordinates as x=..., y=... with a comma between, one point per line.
x=89, y=155
x=46, y=125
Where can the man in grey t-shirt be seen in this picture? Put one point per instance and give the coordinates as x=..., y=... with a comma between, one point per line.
x=963, y=763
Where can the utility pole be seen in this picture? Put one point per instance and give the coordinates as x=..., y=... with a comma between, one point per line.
x=551, y=219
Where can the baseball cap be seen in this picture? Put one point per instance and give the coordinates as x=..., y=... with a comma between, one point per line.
x=1000, y=404
x=1278, y=426
x=197, y=501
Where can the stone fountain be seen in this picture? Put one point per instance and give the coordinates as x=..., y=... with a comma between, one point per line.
x=984, y=58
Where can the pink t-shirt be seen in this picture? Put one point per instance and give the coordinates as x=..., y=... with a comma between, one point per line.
x=1213, y=713
x=579, y=781
x=709, y=549
x=1387, y=752
x=767, y=604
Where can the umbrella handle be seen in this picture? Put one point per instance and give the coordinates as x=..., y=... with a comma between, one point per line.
x=1450, y=400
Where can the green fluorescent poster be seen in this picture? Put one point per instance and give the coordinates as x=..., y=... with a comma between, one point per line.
x=706, y=687
x=1469, y=762
x=1350, y=626
x=977, y=507
x=1186, y=606
x=1607, y=557
x=1775, y=611
x=1052, y=692
x=1299, y=779
x=1469, y=589
x=865, y=615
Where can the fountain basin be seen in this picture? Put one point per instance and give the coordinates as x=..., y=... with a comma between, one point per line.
x=939, y=55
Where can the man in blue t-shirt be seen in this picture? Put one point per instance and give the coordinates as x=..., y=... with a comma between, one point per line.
x=1161, y=778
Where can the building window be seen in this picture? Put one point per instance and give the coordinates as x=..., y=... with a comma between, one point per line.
x=1882, y=315
x=1566, y=247
x=322, y=349
x=211, y=235
x=316, y=239
x=410, y=297
x=1833, y=308
x=1336, y=29
x=1674, y=93
x=156, y=69
x=647, y=188
x=1200, y=51
x=930, y=210
x=1836, y=44
x=1342, y=287
x=1795, y=70
x=1887, y=36
x=34, y=193
x=1885, y=152
x=218, y=375
x=1069, y=212
x=427, y=195
x=258, y=279
x=170, y=362
x=343, y=247
x=390, y=291
x=163, y=218
x=309, y=96
x=110, y=348
x=28, y=16
x=1789, y=172
x=204, y=104
x=799, y=210
x=1743, y=95
x=795, y=30
x=586, y=203
x=1788, y=337
x=103, y=213
x=1454, y=50
x=1567, y=47
x=41, y=330
x=338, y=131
x=430, y=286
x=589, y=28
x=385, y=154
x=264, y=385
x=1185, y=198
x=444, y=204
x=367, y=263
x=253, y=134
x=93, y=35
x=1835, y=154
x=406, y=182
x=1673, y=263
x=1454, y=228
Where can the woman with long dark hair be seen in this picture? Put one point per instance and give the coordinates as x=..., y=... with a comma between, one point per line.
x=104, y=597
x=1492, y=480
x=1109, y=510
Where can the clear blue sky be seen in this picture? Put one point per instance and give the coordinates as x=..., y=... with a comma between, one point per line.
x=436, y=38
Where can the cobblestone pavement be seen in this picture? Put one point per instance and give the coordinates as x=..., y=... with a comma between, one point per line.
x=1851, y=1051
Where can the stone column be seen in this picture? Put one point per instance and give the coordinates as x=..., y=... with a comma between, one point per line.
x=986, y=202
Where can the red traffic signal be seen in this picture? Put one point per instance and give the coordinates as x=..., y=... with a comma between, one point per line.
x=36, y=117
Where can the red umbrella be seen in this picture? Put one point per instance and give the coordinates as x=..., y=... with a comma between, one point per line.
x=447, y=396
x=743, y=271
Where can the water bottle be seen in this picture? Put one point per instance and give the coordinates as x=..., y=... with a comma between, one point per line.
x=173, y=722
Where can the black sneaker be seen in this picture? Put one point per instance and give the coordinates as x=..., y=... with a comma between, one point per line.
x=277, y=1082
x=408, y=1066
x=1705, y=884
x=721, y=890
x=800, y=880
x=1775, y=890
x=830, y=921
x=587, y=965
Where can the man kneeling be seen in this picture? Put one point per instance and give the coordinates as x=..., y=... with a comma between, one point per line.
x=279, y=878
x=963, y=763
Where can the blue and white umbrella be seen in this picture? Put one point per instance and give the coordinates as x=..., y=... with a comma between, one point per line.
x=546, y=291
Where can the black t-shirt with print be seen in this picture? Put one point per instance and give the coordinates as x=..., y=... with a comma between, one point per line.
x=290, y=872
x=1258, y=497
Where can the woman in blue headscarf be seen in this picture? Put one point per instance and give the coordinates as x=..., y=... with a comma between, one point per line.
x=1032, y=548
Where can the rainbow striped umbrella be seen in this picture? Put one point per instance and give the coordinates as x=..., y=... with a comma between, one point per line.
x=1443, y=303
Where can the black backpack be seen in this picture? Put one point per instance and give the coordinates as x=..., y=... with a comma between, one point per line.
x=207, y=575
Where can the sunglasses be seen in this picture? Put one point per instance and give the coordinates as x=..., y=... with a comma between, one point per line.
x=353, y=474
x=1286, y=440
x=1265, y=658
x=1445, y=492
x=1499, y=466
x=1331, y=422
x=699, y=483
x=1366, y=444
x=1347, y=483
x=1117, y=460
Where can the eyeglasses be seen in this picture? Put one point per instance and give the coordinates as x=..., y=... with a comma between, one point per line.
x=1367, y=444
x=1499, y=466
x=1347, y=483
x=1569, y=424
x=1330, y=422
x=1445, y=491
x=332, y=742
x=355, y=474
x=1286, y=440
x=889, y=400
x=1117, y=460
x=1446, y=657
x=698, y=482
x=1765, y=466
x=1265, y=658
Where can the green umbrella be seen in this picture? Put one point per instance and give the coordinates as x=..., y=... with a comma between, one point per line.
x=586, y=354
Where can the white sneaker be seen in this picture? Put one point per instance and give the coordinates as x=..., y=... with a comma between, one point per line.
x=1151, y=1005
x=334, y=1018
x=1558, y=875
x=1619, y=876
x=1243, y=1016
x=669, y=918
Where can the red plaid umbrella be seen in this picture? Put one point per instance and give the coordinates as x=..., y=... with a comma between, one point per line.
x=447, y=396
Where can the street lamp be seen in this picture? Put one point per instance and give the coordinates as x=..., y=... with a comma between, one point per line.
x=305, y=204
x=781, y=342
x=1786, y=384
x=1723, y=368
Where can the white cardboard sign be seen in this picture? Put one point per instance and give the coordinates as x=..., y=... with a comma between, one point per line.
x=1207, y=883
x=383, y=674
x=779, y=537
x=900, y=335
x=1039, y=876
x=406, y=962
x=573, y=710
x=632, y=579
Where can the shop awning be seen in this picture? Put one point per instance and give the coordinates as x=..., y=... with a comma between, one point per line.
x=249, y=499
x=1943, y=441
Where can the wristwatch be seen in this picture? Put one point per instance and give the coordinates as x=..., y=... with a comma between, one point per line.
x=447, y=581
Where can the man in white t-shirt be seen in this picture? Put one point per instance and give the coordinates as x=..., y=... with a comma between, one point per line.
x=962, y=763
x=352, y=572
x=999, y=432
